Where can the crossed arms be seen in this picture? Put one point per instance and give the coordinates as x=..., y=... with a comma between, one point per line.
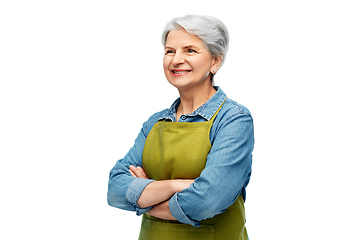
x=158, y=193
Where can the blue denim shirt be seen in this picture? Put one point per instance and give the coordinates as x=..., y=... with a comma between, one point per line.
x=226, y=174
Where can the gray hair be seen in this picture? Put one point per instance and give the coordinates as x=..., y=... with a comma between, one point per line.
x=212, y=32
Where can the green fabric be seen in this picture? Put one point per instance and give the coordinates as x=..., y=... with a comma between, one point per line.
x=176, y=150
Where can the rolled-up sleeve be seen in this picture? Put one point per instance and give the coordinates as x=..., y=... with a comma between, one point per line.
x=124, y=190
x=133, y=193
x=178, y=213
x=226, y=174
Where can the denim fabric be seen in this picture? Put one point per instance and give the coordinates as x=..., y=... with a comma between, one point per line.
x=226, y=174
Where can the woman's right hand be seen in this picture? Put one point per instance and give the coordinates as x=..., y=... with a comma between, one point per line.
x=137, y=172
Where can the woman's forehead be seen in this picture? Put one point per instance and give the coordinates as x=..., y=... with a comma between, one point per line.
x=179, y=37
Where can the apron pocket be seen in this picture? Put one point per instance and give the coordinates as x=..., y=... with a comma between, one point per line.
x=160, y=230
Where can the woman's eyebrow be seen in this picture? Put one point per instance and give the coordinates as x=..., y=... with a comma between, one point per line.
x=186, y=46
x=191, y=46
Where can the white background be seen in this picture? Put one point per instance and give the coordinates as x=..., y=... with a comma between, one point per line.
x=78, y=79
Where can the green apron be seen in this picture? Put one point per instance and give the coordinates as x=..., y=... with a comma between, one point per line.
x=178, y=150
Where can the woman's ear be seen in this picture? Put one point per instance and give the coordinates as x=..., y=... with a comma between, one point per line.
x=217, y=61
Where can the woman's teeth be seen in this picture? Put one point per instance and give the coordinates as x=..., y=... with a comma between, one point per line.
x=178, y=72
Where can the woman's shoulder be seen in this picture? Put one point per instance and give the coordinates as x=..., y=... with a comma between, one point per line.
x=232, y=108
x=232, y=119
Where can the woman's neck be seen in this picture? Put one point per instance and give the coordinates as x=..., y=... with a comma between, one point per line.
x=192, y=99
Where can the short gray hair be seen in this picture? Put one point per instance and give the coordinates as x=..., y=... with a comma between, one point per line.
x=210, y=30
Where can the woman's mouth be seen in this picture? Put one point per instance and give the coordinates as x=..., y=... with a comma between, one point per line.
x=180, y=72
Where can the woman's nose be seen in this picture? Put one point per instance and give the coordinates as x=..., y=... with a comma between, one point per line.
x=178, y=59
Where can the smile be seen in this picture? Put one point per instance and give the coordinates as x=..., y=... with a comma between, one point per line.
x=180, y=72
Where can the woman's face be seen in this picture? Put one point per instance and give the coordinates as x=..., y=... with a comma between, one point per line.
x=187, y=62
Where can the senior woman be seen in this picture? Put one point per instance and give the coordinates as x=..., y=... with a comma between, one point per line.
x=190, y=164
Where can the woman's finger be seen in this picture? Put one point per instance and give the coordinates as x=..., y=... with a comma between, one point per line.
x=138, y=172
x=142, y=172
x=132, y=173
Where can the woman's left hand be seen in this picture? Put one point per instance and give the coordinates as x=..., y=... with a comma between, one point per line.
x=137, y=172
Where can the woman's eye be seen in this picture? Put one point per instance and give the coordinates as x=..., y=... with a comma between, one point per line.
x=191, y=51
x=169, y=52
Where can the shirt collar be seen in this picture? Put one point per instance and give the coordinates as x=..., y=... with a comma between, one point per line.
x=207, y=110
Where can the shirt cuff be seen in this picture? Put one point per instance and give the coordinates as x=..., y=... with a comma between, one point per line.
x=178, y=213
x=133, y=193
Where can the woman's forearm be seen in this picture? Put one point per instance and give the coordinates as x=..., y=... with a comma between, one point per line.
x=160, y=191
x=156, y=192
x=162, y=211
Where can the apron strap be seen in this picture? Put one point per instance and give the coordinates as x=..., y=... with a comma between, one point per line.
x=217, y=111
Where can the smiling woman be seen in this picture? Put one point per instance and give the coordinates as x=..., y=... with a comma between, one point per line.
x=188, y=64
x=210, y=31
x=190, y=164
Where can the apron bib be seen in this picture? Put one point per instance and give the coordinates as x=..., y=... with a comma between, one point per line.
x=178, y=150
